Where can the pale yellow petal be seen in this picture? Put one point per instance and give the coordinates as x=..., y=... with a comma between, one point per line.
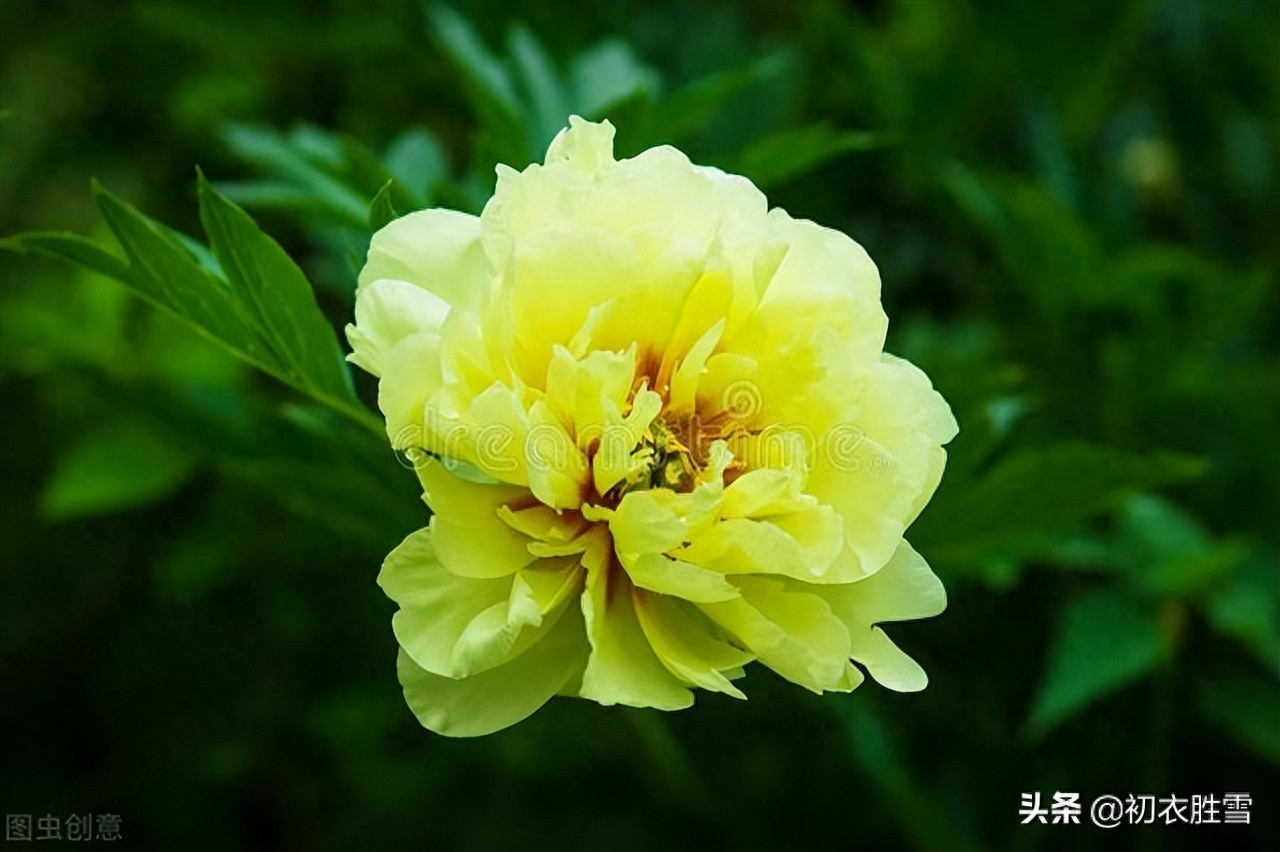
x=435, y=605
x=558, y=471
x=388, y=311
x=905, y=588
x=500, y=697
x=801, y=544
x=437, y=250
x=623, y=668
x=410, y=375
x=793, y=633
x=585, y=145
x=658, y=573
x=764, y=492
x=685, y=645
x=470, y=536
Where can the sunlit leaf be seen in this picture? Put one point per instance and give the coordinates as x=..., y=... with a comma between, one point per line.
x=164, y=272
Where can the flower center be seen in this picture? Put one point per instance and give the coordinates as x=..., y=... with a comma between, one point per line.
x=672, y=464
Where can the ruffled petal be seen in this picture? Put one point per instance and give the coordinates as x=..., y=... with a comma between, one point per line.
x=687, y=647
x=437, y=250
x=623, y=668
x=793, y=633
x=502, y=696
x=388, y=311
x=905, y=588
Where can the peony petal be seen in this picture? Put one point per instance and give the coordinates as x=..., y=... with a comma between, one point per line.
x=500, y=697
x=437, y=250
x=457, y=626
x=469, y=535
x=658, y=573
x=800, y=544
x=506, y=630
x=686, y=647
x=410, y=375
x=764, y=492
x=905, y=588
x=623, y=668
x=586, y=145
x=388, y=311
x=558, y=471
x=435, y=605
x=793, y=633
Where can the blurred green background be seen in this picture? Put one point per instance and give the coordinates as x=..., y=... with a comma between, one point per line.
x=1074, y=210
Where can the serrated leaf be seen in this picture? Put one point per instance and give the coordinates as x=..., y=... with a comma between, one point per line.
x=1104, y=641
x=277, y=296
x=1039, y=490
x=266, y=315
x=113, y=470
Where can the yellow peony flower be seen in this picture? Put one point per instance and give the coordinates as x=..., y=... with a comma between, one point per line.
x=659, y=437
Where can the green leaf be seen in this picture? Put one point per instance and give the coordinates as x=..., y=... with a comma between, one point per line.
x=1167, y=551
x=690, y=108
x=1104, y=642
x=606, y=75
x=71, y=248
x=871, y=744
x=789, y=154
x=483, y=72
x=1244, y=707
x=277, y=297
x=364, y=172
x=264, y=312
x=1247, y=608
x=112, y=470
x=1039, y=490
x=547, y=96
x=275, y=195
x=381, y=211
x=274, y=155
x=165, y=273
x=417, y=161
